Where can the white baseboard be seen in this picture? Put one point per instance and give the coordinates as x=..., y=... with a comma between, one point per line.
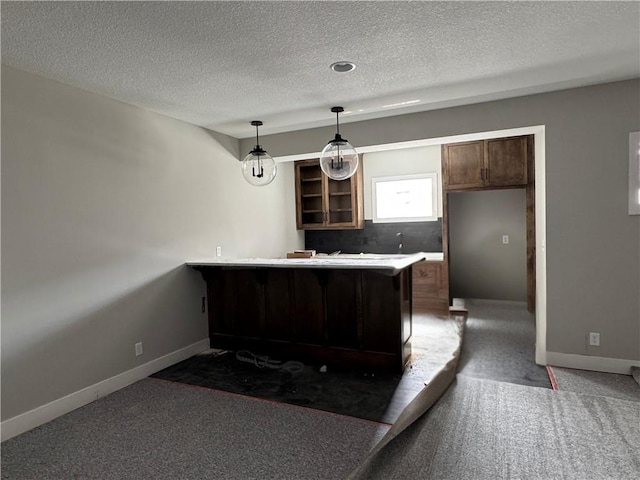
x=587, y=362
x=45, y=413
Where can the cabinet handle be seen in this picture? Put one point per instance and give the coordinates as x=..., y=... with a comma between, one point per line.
x=482, y=174
x=486, y=175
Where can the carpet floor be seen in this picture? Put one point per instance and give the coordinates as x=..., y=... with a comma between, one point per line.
x=499, y=344
x=482, y=429
x=159, y=430
x=479, y=429
x=586, y=382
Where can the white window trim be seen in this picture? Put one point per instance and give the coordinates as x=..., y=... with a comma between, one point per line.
x=634, y=173
x=434, y=200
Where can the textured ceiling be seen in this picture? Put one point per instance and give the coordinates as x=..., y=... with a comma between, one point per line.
x=222, y=64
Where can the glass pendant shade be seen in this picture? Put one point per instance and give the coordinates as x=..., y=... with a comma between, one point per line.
x=258, y=168
x=339, y=159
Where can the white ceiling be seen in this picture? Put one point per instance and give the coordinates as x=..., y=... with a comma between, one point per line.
x=222, y=64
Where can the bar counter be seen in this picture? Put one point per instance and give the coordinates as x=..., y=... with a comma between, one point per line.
x=344, y=311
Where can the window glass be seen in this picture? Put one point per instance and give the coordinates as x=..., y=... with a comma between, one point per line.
x=410, y=198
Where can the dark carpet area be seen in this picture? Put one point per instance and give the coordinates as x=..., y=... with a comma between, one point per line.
x=378, y=397
x=499, y=343
x=348, y=393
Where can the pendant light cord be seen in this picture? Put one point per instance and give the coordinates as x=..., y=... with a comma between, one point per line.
x=257, y=147
x=340, y=160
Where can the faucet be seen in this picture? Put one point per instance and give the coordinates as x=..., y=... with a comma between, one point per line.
x=399, y=235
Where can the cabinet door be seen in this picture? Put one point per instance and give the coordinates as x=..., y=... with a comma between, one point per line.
x=430, y=288
x=343, y=302
x=506, y=160
x=310, y=203
x=463, y=165
x=344, y=202
x=309, y=306
x=381, y=309
x=323, y=203
x=426, y=279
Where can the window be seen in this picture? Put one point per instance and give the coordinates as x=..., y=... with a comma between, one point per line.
x=409, y=198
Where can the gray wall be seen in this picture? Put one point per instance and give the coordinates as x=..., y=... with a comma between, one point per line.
x=102, y=204
x=480, y=265
x=593, y=245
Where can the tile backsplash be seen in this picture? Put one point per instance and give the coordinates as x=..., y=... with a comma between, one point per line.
x=378, y=238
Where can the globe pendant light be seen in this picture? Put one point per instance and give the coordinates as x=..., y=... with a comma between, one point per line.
x=339, y=159
x=258, y=168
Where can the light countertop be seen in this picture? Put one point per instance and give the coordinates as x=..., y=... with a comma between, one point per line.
x=388, y=264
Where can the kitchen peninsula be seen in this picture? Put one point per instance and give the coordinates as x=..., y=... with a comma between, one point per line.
x=345, y=311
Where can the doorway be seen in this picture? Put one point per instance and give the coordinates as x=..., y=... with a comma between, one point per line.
x=488, y=245
x=537, y=227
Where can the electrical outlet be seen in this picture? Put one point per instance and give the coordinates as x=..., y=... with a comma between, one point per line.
x=218, y=251
x=138, y=349
x=505, y=239
x=594, y=339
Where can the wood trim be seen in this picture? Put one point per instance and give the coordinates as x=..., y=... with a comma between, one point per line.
x=530, y=218
x=445, y=234
x=531, y=227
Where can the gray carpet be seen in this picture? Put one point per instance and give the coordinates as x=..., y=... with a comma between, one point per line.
x=499, y=344
x=482, y=429
x=155, y=429
x=479, y=429
x=586, y=382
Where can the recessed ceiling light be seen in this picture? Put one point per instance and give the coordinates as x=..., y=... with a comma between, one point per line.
x=342, y=67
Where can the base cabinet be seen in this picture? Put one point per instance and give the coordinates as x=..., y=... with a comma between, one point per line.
x=343, y=318
x=431, y=287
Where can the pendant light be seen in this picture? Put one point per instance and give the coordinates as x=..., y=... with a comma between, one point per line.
x=258, y=168
x=339, y=159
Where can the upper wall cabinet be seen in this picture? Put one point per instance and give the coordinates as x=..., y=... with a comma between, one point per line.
x=326, y=204
x=494, y=163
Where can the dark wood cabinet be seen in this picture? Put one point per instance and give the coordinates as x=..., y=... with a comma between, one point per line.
x=326, y=204
x=493, y=164
x=485, y=164
x=346, y=318
x=431, y=287
x=463, y=165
